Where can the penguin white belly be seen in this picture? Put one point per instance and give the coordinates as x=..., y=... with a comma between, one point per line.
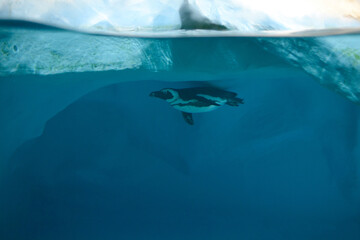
x=195, y=109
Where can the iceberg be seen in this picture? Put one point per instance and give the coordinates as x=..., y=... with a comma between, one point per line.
x=52, y=51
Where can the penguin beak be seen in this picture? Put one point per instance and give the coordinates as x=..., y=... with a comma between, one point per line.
x=157, y=94
x=153, y=94
x=161, y=95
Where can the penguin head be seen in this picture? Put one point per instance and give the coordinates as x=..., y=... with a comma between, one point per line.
x=165, y=94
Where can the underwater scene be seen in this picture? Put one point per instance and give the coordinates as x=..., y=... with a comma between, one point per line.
x=178, y=119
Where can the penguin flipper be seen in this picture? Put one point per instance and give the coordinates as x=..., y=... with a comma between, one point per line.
x=188, y=118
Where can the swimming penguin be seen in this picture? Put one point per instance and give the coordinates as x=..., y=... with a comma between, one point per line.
x=197, y=100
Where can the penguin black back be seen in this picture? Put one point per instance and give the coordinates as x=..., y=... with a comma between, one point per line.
x=189, y=93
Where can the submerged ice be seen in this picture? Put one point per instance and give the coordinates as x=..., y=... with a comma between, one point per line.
x=333, y=61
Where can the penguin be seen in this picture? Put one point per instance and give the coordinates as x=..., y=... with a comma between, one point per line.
x=197, y=100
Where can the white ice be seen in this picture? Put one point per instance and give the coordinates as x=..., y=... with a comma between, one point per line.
x=244, y=16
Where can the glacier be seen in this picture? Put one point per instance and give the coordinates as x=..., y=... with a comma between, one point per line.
x=86, y=154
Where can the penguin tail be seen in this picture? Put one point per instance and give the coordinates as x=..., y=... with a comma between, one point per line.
x=235, y=102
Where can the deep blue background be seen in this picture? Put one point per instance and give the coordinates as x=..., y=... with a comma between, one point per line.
x=119, y=164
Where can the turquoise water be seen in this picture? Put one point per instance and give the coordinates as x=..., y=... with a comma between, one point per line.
x=87, y=154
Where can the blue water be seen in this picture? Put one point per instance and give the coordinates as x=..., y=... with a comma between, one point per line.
x=92, y=156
